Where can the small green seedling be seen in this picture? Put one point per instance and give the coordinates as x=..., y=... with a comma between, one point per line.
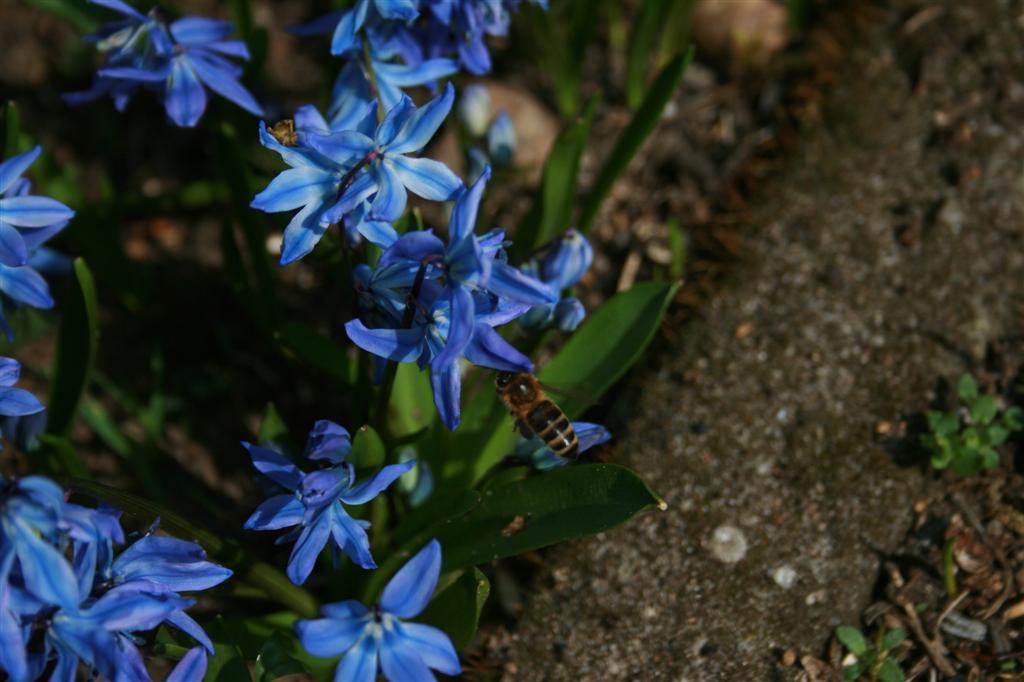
x=966, y=440
x=873, y=662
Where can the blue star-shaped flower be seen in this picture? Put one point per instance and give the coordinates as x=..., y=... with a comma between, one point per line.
x=315, y=503
x=379, y=637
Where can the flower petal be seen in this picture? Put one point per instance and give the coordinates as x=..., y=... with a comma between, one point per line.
x=307, y=548
x=328, y=441
x=434, y=647
x=199, y=30
x=329, y=637
x=370, y=488
x=488, y=349
x=12, y=168
x=409, y=590
x=33, y=211
x=280, y=511
x=47, y=573
x=295, y=187
x=426, y=178
x=185, y=98
x=400, y=661
x=590, y=435
x=191, y=667
x=344, y=148
x=400, y=10
x=302, y=234
x=400, y=345
x=512, y=283
x=224, y=84
x=186, y=624
x=364, y=185
x=274, y=465
x=25, y=285
x=351, y=537
x=10, y=371
x=344, y=38
x=397, y=116
x=134, y=73
x=360, y=663
x=403, y=76
x=389, y=204
x=17, y=402
x=341, y=610
x=464, y=213
x=421, y=125
x=460, y=328
x=13, y=251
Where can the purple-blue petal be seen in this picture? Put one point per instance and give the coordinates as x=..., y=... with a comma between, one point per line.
x=199, y=30
x=307, y=548
x=224, y=84
x=191, y=667
x=433, y=646
x=426, y=178
x=329, y=637
x=410, y=589
x=328, y=441
x=274, y=465
x=360, y=663
x=389, y=204
x=280, y=511
x=11, y=169
x=17, y=402
x=185, y=98
x=488, y=349
x=420, y=126
x=33, y=211
x=25, y=285
x=515, y=285
x=370, y=488
x=400, y=345
x=464, y=213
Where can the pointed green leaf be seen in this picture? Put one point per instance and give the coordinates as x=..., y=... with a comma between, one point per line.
x=411, y=400
x=274, y=662
x=641, y=47
x=631, y=139
x=538, y=511
x=272, y=426
x=852, y=639
x=12, y=130
x=890, y=671
x=967, y=388
x=984, y=409
x=457, y=609
x=367, y=449
x=893, y=638
x=76, y=351
x=552, y=208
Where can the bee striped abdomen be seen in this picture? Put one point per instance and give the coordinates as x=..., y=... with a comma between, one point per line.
x=553, y=427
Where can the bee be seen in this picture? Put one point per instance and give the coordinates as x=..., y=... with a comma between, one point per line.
x=536, y=414
x=284, y=132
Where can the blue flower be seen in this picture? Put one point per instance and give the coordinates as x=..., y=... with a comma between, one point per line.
x=315, y=503
x=349, y=175
x=15, y=402
x=534, y=452
x=435, y=303
x=180, y=59
x=26, y=222
x=380, y=637
x=561, y=267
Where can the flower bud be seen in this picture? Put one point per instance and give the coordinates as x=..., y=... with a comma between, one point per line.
x=475, y=109
x=501, y=140
x=566, y=264
x=569, y=313
x=476, y=162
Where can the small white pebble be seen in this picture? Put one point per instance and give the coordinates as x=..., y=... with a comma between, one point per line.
x=784, y=576
x=782, y=415
x=815, y=597
x=728, y=544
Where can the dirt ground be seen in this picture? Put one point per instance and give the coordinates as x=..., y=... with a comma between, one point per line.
x=884, y=258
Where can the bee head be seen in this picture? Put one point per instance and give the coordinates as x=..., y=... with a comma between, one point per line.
x=503, y=379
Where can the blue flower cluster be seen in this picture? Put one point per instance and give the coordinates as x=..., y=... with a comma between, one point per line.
x=27, y=221
x=177, y=60
x=314, y=504
x=68, y=598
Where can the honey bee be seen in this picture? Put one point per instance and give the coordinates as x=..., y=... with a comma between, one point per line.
x=536, y=414
x=284, y=132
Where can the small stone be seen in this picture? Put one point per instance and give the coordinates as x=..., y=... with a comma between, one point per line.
x=788, y=658
x=784, y=576
x=816, y=597
x=728, y=544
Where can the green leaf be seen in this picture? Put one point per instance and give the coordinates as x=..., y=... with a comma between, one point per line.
x=890, y=671
x=227, y=551
x=272, y=426
x=367, y=449
x=572, y=502
x=641, y=46
x=274, y=662
x=58, y=455
x=12, y=130
x=631, y=139
x=552, y=209
x=997, y=435
x=608, y=344
x=984, y=409
x=317, y=350
x=411, y=400
x=76, y=351
x=247, y=638
x=677, y=246
x=228, y=662
x=457, y=609
x=1013, y=418
x=893, y=638
x=83, y=16
x=852, y=639
x=943, y=423
x=967, y=388
x=852, y=672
